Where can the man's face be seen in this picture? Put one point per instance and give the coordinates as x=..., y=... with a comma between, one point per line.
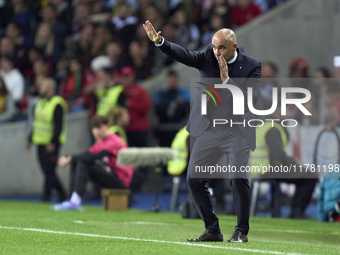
x=127, y=80
x=244, y=3
x=6, y=65
x=267, y=72
x=6, y=47
x=172, y=81
x=223, y=47
x=44, y=89
x=99, y=133
x=48, y=14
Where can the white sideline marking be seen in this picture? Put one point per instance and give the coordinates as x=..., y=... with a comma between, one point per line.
x=78, y=221
x=256, y=229
x=146, y=240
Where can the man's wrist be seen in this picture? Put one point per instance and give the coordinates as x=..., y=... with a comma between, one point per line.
x=161, y=43
x=226, y=81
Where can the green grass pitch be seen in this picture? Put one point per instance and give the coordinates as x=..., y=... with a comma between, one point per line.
x=32, y=228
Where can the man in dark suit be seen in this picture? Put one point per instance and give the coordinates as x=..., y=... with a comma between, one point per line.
x=224, y=61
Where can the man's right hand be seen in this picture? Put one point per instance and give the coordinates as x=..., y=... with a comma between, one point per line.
x=151, y=32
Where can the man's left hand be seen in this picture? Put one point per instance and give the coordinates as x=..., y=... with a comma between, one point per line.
x=223, y=67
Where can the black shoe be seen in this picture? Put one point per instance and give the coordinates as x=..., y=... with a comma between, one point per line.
x=238, y=237
x=208, y=237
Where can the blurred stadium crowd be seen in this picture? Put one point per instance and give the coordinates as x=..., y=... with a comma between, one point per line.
x=72, y=41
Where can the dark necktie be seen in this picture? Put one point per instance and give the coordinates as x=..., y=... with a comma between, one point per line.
x=230, y=68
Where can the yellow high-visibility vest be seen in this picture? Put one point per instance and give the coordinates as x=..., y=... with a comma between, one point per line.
x=43, y=125
x=180, y=149
x=108, y=99
x=119, y=131
x=261, y=155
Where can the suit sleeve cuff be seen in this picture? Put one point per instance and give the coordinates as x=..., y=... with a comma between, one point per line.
x=160, y=44
x=225, y=81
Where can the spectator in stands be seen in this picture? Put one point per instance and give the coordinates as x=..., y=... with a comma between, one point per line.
x=7, y=106
x=147, y=47
x=162, y=60
x=298, y=71
x=101, y=38
x=80, y=19
x=45, y=41
x=14, y=80
x=14, y=34
x=298, y=68
x=154, y=15
x=172, y=107
x=49, y=133
x=215, y=24
x=58, y=29
x=142, y=5
x=34, y=54
x=7, y=48
x=23, y=17
x=221, y=8
x=244, y=12
x=125, y=25
x=72, y=86
x=64, y=11
x=98, y=164
x=139, y=106
x=322, y=74
x=187, y=34
x=331, y=108
x=141, y=64
x=119, y=3
x=268, y=74
x=80, y=47
x=40, y=73
x=116, y=54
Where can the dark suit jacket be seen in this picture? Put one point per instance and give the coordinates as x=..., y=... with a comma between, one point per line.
x=206, y=63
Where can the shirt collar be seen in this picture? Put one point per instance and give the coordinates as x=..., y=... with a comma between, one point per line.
x=233, y=59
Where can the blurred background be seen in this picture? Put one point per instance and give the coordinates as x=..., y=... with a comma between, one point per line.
x=84, y=45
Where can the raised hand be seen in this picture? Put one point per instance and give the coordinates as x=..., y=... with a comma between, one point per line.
x=222, y=63
x=151, y=32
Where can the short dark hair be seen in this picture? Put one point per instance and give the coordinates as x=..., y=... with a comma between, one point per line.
x=98, y=121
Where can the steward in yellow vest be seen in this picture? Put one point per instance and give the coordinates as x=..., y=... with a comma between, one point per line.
x=44, y=125
x=270, y=151
x=49, y=132
x=107, y=99
x=181, y=152
x=261, y=156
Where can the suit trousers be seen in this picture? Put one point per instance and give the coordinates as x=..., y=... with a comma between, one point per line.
x=207, y=150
